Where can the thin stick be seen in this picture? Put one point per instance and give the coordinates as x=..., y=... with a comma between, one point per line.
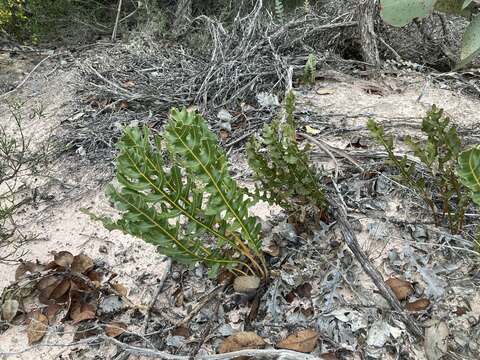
x=199, y=306
x=371, y=271
x=255, y=354
x=156, y=294
x=114, y=33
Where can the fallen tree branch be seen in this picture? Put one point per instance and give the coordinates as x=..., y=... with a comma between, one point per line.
x=371, y=271
x=255, y=354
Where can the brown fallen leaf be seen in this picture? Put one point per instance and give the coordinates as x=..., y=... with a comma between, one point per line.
x=302, y=341
x=37, y=328
x=80, y=312
x=461, y=310
x=240, y=341
x=304, y=290
x=60, y=290
x=47, y=282
x=9, y=309
x=85, y=331
x=120, y=289
x=401, y=288
x=82, y=264
x=181, y=331
x=95, y=276
x=115, y=329
x=418, y=305
x=63, y=258
x=51, y=312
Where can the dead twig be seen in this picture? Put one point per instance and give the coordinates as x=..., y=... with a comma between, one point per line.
x=371, y=271
x=156, y=294
x=28, y=75
x=200, y=305
x=255, y=354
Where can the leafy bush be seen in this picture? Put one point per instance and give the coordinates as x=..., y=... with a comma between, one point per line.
x=438, y=154
x=282, y=168
x=176, y=204
x=402, y=12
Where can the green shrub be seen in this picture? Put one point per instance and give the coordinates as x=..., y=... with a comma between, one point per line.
x=282, y=168
x=438, y=154
x=177, y=204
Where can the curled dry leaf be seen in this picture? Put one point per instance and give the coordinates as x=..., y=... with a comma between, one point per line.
x=419, y=305
x=302, y=341
x=82, y=264
x=63, y=258
x=9, y=309
x=37, y=328
x=115, y=329
x=246, y=284
x=401, y=288
x=240, y=341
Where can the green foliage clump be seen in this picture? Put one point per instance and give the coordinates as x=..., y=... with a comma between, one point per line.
x=402, y=12
x=310, y=70
x=438, y=154
x=176, y=204
x=281, y=167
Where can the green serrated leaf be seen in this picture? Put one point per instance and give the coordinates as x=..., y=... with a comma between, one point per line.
x=154, y=200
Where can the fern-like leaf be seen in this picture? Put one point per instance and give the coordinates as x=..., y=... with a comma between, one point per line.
x=176, y=206
x=281, y=167
x=196, y=149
